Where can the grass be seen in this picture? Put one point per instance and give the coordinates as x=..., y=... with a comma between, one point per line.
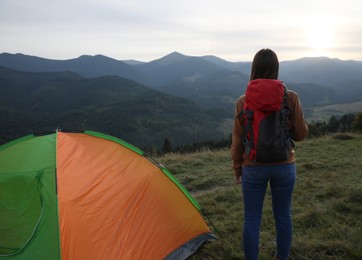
x=327, y=201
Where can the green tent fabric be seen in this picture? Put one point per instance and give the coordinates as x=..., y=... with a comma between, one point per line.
x=27, y=192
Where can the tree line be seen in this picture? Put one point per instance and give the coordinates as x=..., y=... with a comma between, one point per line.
x=351, y=122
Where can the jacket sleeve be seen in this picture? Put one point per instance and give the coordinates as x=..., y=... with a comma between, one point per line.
x=298, y=126
x=237, y=148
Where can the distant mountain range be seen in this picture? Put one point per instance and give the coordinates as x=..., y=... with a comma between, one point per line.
x=179, y=97
x=178, y=74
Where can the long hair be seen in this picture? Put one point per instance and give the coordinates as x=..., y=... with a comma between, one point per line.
x=265, y=65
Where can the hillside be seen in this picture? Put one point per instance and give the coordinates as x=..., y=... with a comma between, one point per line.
x=326, y=202
x=33, y=102
x=182, y=98
x=324, y=113
x=209, y=79
x=216, y=91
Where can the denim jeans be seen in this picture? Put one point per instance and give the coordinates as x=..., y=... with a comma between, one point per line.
x=255, y=180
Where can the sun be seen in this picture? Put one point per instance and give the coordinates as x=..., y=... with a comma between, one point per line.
x=319, y=35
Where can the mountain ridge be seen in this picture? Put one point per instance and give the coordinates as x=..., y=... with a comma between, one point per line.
x=85, y=65
x=303, y=70
x=207, y=84
x=194, y=77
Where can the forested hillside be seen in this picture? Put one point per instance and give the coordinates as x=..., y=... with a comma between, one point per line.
x=183, y=99
x=32, y=102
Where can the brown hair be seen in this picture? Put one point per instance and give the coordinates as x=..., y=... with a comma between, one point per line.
x=265, y=65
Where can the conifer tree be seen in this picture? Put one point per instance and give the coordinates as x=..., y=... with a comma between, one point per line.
x=357, y=123
x=167, y=146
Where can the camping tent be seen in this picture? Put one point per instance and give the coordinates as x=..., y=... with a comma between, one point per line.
x=68, y=195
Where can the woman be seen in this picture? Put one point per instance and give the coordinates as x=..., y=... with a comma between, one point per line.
x=255, y=176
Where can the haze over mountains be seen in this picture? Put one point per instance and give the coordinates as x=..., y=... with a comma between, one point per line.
x=183, y=98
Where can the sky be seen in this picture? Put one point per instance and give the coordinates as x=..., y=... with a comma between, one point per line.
x=146, y=30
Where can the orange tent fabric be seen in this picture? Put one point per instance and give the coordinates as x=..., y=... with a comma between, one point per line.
x=91, y=174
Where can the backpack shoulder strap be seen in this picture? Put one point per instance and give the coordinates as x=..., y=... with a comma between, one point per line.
x=248, y=141
x=285, y=97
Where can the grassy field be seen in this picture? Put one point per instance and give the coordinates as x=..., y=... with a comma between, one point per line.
x=327, y=201
x=324, y=113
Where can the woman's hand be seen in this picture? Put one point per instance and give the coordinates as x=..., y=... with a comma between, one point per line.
x=238, y=174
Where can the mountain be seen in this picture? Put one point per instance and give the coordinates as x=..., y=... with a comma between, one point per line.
x=86, y=65
x=217, y=91
x=211, y=82
x=321, y=70
x=176, y=66
x=132, y=62
x=243, y=67
x=312, y=95
x=318, y=70
x=319, y=81
x=32, y=102
x=169, y=59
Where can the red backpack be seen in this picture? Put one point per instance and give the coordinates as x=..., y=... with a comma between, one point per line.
x=266, y=135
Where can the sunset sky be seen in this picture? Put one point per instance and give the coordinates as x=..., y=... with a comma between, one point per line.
x=145, y=30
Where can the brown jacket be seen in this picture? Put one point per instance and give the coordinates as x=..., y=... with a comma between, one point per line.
x=298, y=130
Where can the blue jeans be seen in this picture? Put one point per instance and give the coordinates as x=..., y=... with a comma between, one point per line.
x=254, y=185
